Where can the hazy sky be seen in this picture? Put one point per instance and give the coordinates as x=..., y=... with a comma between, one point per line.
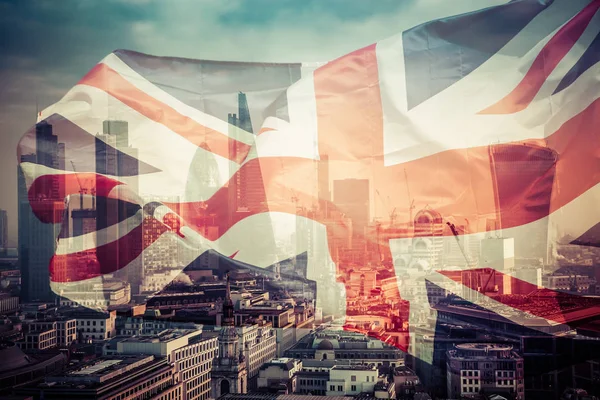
x=47, y=46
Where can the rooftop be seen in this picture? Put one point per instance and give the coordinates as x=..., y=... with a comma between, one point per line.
x=100, y=370
x=485, y=347
x=165, y=336
x=356, y=367
x=286, y=363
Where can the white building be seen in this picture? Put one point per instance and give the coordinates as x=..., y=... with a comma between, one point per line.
x=100, y=295
x=95, y=325
x=351, y=379
x=258, y=342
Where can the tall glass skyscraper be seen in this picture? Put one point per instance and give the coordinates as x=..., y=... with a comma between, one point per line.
x=36, y=239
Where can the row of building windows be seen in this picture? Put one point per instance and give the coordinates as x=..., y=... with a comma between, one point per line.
x=154, y=385
x=505, y=382
x=312, y=382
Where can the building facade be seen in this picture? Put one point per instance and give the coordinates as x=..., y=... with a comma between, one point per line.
x=189, y=353
x=229, y=372
x=476, y=368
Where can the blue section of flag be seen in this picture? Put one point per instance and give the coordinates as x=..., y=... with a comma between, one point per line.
x=439, y=53
x=590, y=57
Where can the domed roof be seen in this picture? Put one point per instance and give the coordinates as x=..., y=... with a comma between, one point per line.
x=12, y=357
x=325, y=345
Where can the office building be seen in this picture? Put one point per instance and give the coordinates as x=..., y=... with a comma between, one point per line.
x=351, y=196
x=246, y=189
x=324, y=189
x=42, y=339
x=529, y=171
x=258, y=341
x=36, y=239
x=114, y=156
x=190, y=354
x=66, y=329
x=3, y=230
x=116, y=377
x=474, y=368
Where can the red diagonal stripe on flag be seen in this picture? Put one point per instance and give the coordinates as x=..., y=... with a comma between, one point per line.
x=546, y=61
x=105, y=78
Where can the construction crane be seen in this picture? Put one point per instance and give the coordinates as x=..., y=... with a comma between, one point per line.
x=82, y=190
x=393, y=216
x=411, y=202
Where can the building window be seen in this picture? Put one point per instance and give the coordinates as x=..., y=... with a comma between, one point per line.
x=340, y=388
x=353, y=388
x=353, y=378
x=332, y=388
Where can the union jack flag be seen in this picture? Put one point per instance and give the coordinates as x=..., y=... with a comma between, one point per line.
x=428, y=159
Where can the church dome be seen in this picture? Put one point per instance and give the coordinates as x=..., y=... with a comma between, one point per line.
x=12, y=357
x=325, y=345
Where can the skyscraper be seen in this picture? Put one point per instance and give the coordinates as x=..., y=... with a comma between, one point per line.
x=36, y=239
x=248, y=191
x=324, y=192
x=115, y=156
x=244, y=120
x=3, y=230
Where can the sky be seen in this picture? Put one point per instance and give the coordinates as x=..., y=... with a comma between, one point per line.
x=46, y=46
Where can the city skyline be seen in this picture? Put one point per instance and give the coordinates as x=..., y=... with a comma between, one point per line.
x=376, y=226
x=34, y=78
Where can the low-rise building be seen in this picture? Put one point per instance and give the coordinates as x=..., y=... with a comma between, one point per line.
x=38, y=340
x=102, y=295
x=66, y=329
x=475, y=368
x=384, y=390
x=279, y=375
x=94, y=325
x=313, y=377
x=356, y=348
x=351, y=379
x=406, y=382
